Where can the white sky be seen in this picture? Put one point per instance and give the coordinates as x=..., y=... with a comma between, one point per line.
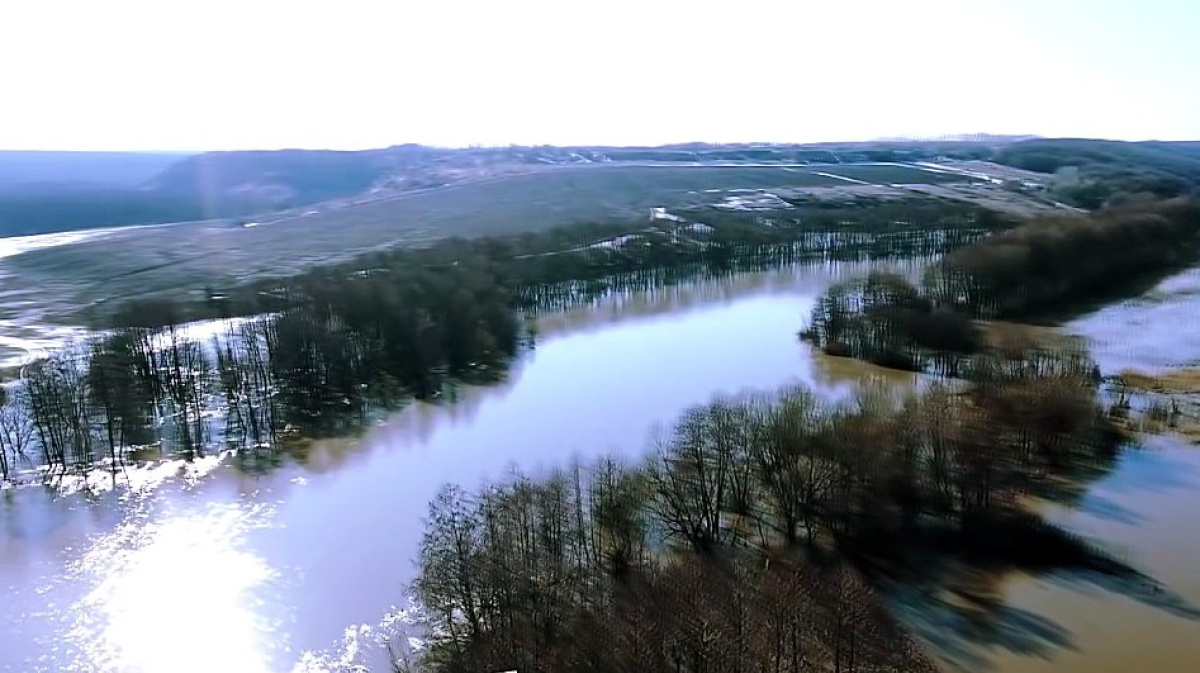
x=238, y=74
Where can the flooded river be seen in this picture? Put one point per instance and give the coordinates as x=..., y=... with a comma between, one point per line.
x=247, y=573
x=1145, y=511
x=304, y=567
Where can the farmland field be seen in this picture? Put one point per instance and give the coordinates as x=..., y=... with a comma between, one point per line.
x=54, y=282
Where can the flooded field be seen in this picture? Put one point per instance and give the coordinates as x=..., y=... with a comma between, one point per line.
x=24, y=333
x=1152, y=333
x=304, y=567
x=1143, y=511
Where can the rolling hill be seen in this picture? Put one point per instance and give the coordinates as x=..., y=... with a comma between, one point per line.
x=57, y=191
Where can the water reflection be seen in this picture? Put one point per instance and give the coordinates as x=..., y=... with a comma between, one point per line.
x=679, y=298
x=579, y=396
x=246, y=571
x=174, y=594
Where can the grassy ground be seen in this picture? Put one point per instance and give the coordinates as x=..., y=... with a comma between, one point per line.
x=1170, y=404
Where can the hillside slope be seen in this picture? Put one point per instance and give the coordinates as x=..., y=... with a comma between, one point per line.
x=1089, y=173
x=251, y=184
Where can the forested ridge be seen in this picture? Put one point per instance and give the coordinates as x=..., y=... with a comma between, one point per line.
x=1092, y=173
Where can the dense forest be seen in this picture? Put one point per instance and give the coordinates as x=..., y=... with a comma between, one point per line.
x=762, y=532
x=1047, y=267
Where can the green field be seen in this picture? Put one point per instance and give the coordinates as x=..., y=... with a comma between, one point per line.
x=132, y=262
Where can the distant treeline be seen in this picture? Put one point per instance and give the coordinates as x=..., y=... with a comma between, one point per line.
x=1053, y=264
x=1046, y=267
x=544, y=263
x=1092, y=173
x=758, y=534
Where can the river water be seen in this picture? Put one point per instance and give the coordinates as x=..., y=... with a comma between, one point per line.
x=201, y=567
x=1145, y=511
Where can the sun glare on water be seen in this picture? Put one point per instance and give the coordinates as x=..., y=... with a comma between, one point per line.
x=175, y=595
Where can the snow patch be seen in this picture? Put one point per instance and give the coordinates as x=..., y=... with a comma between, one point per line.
x=662, y=214
x=615, y=243
x=835, y=176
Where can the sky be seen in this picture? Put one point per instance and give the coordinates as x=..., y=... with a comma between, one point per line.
x=353, y=74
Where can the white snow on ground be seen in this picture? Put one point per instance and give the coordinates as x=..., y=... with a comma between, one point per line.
x=760, y=200
x=662, y=214
x=950, y=170
x=22, y=341
x=29, y=349
x=841, y=177
x=203, y=331
x=15, y=245
x=614, y=243
x=52, y=338
x=135, y=478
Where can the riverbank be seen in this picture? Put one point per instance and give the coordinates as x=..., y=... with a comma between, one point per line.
x=291, y=536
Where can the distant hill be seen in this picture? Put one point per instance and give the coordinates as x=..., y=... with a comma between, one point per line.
x=964, y=138
x=94, y=169
x=236, y=183
x=57, y=191
x=46, y=208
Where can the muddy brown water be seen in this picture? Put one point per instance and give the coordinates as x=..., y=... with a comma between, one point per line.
x=1145, y=512
x=203, y=568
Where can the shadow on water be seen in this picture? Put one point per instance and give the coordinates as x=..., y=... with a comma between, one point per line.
x=948, y=584
x=963, y=616
x=1108, y=509
x=959, y=608
x=1144, y=468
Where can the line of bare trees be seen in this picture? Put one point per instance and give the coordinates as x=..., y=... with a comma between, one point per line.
x=343, y=349
x=1055, y=263
x=743, y=542
x=1047, y=266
